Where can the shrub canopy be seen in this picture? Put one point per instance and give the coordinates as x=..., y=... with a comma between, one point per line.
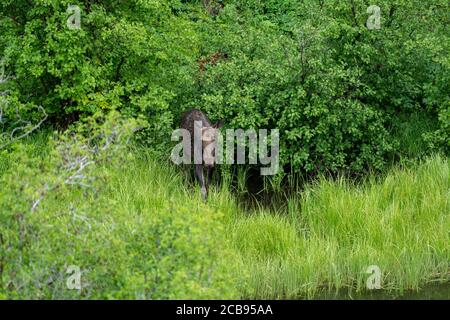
x=313, y=69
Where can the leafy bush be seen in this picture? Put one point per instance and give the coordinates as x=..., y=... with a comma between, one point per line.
x=335, y=89
x=133, y=56
x=74, y=205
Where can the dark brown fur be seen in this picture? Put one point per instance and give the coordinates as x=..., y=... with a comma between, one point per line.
x=187, y=122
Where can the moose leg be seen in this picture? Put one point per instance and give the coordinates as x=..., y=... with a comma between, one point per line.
x=201, y=180
x=209, y=174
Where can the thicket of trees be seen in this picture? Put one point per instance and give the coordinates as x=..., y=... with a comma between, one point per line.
x=313, y=69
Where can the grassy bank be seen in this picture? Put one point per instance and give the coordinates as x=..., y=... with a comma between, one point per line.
x=335, y=230
x=134, y=233
x=144, y=233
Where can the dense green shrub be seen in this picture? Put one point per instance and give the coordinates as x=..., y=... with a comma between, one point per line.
x=336, y=90
x=73, y=205
x=133, y=56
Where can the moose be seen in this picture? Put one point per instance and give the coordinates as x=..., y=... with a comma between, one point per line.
x=208, y=137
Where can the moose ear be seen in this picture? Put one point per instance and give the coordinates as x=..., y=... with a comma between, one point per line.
x=218, y=124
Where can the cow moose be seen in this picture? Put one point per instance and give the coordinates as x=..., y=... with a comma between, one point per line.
x=208, y=136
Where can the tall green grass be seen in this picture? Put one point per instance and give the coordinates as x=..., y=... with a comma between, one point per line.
x=138, y=233
x=335, y=230
x=146, y=233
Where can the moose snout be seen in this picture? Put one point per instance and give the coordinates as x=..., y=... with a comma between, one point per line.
x=208, y=165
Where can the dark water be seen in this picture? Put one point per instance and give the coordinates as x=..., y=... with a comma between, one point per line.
x=439, y=291
x=256, y=196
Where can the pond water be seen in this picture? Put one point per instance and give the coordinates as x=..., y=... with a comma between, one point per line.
x=438, y=291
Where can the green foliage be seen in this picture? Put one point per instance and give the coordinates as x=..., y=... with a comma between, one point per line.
x=86, y=201
x=345, y=98
x=335, y=230
x=128, y=56
x=312, y=69
x=334, y=88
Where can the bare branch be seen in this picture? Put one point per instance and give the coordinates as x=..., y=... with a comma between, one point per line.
x=27, y=131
